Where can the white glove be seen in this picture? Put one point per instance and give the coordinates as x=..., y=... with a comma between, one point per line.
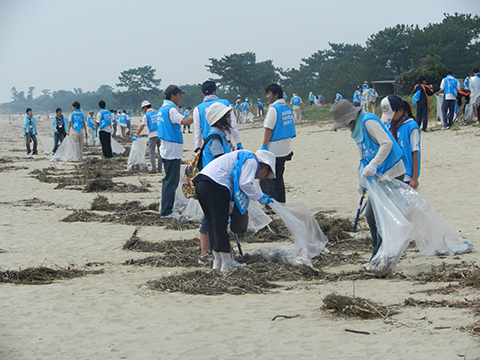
x=370, y=170
x=360, y=190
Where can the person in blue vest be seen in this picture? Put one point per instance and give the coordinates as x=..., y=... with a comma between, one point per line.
x=123, y=122
x=219, y=117
x=380, y=154
x=243, y=112
x=59, y=128
x=236, y=108
x=200, y=124
x=397, y=114
x=30, y=131
x=449, y=87
x=150, y=120
x=357, y=95
x=103, y=129
x=423, y=103
x=91, y=127
x=475, y=91
x=186, y=114
x=311, y=98
x=77, y=130
x=129, y=122
x=279, y=130
x=228, y=177
x=260, y=111
x=169, y=121
x=296, y=102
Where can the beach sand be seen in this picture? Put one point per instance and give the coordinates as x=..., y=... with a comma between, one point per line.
x=114, y=315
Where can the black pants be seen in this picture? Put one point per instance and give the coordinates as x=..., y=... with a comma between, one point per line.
x=422, y=117
x=106, y=141
x=448, y=111
x=215, y=202
x=28, y=138
x=275, y=188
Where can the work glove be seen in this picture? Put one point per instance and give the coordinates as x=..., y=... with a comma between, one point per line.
x=239, y=146
x=264, y=147
x=35, y=132
x=134, y=137
x=24, y=133
x=96, y=134
x=265, y=199
x=360, y=190
x=370, y=170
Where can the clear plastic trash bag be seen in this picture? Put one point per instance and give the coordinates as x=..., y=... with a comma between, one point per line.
x=193, y=211
x=117, y=149
x=136, y=158
x=439, y=107
x=65, y=151
x=309, y=238
x=403, y=215
x=47, y=144
x=468, y=110
x=97, y=141
x=257, y=219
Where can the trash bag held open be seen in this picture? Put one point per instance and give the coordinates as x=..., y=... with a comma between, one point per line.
x=136, y=158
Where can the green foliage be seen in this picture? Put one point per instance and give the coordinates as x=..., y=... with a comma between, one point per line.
x=242, y=75
x=316, y=113
x=140, y=84
x=430, y=67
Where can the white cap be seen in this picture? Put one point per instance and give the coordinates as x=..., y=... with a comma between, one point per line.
x=216, y=111
x=145, y=103
x=267, y=157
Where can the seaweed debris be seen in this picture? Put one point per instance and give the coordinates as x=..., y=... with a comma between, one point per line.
x=355, y=307
x=42, y=275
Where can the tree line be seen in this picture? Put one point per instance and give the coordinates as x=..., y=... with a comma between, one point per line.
x=400, y=53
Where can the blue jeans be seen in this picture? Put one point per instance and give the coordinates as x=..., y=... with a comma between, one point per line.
x=169, y=185
x=57, y=140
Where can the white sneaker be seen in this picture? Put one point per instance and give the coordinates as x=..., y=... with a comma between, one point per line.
x=217, y=264
x=231, y=265
x=172, y=215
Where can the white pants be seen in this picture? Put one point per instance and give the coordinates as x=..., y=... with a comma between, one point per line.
x=297, y=113
x=77, y=142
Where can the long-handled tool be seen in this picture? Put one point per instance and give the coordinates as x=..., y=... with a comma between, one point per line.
x=359, y=211
x=238, y=244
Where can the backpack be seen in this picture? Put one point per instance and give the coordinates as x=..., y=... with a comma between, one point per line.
x=192, y=169
x=373, y=96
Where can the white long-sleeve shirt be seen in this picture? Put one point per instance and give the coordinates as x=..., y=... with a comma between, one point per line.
x=198, y=128
x=220, y=170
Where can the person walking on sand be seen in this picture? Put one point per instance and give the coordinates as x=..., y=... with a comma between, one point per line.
x=150, y=120
x=59, y=127
x=230, y=177
x=259, y=107
x=380, y=154
x=423, y=103
x=475, y=91
x=449, y=87
x=77, y=122
x=91, y=127
x=123, y=122
x=200, y=123
x=311, y=98
x=169, y=121
x=30, y=131
x=103, y=128
x=296, y=102
x=279, y=130
x=357, y=95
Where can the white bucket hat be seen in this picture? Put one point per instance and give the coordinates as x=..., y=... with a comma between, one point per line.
x=216, y=111
x=267, y=157
x=144, y=103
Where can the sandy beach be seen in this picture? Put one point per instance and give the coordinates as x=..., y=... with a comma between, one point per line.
x=115, y=315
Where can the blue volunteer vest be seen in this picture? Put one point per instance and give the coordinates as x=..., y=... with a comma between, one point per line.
x=186, y=113
x=77, y=120
x=356, y=96
x=260, y=103
x=284, y=127
x=451, y=86
x=403, y=136
x=207, y=155
x=241, y=199
x=122, y=118
x=370, y=148
x=106, y=119
x=296, y=101
x=166, y=130
x=202, y=112
x=151, y=120
x=90, y=122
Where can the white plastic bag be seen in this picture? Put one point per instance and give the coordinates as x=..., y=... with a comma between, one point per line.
x=65, y=151
x=468, y=113
x=309, y=238
x=257, y=219
x=439, y=107
x=117, y=149
x=193, y=211
x=97, y=141
x=402, y=216
x=47, y=144
x=136, y=158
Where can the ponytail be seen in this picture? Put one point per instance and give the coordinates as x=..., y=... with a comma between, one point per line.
x=408, y=109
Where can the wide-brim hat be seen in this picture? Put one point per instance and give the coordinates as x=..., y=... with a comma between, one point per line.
x=343, y=113
x=216, y=111
x=267, y=157
x=145, y=103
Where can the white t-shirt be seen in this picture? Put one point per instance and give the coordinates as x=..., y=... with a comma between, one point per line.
x=154, y=133
x=171, y=150
x=415, y=144
x=281, y=147
x=220, y=170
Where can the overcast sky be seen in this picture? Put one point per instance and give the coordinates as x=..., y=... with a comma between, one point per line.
x=62, y=44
